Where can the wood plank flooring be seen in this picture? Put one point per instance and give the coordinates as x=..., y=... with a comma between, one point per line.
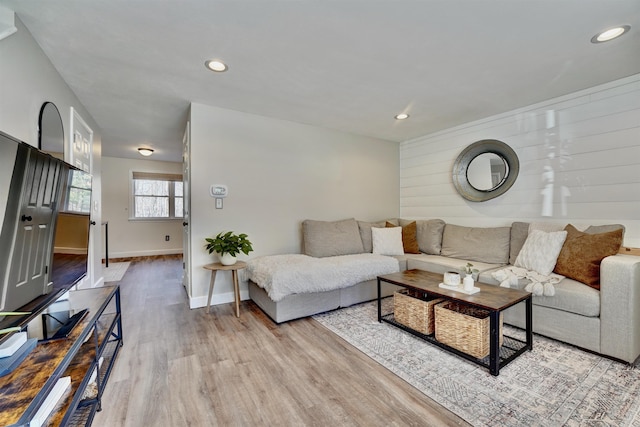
x=182, y=367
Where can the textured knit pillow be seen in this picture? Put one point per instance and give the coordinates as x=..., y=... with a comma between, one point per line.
x=582, y=254
x=540, y=251
x=387, y=241
x=409, y=237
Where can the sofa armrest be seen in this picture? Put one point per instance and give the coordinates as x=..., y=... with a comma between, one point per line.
x=620, y=307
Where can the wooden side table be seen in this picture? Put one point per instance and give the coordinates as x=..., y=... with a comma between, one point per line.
x=215, y=267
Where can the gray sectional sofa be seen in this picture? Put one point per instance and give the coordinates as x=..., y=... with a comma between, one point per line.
x=604, y=320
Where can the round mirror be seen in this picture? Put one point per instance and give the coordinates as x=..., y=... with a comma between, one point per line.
x=51, y=132
x=487, y=171
x=484, y=170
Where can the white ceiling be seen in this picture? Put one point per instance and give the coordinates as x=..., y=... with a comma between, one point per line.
x=349, y=65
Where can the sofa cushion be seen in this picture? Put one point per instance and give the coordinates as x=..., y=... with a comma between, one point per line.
x=488, y=245
x=540, y=251
x=429, y=235
x=519, y=232
x=570, y=295
x=409, y=240
x=331, y=238
x=365, y=233
x=596, y=229
x=546, y=226
x=574, y=297
x=582, y=254
x=387, y=241
x=441, y=264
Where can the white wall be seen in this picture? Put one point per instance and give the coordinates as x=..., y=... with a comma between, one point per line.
x=588, y=143
x=27, y=80
x=135, y=238
x=278, y=174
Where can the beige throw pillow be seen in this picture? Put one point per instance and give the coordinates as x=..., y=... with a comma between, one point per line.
x=409, y=239
x=387, y=241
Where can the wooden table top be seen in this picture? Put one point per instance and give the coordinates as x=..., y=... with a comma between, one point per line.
x=215, y=266
x=490, y=297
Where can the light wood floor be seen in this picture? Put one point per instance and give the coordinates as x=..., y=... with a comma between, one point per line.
x=182, y=367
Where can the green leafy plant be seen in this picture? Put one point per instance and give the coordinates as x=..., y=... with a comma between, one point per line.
x=229, y=243
x=468, y=269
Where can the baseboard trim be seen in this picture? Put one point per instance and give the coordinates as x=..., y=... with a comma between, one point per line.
x=216, y=299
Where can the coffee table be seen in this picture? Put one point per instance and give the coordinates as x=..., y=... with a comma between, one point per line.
x=492, y=298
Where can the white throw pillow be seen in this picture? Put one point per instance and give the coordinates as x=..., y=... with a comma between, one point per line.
x=387, y=241
x=540, y=251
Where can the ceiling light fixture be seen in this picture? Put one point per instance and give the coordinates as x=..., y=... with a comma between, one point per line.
x=610, y=34
x=145, y=151
x=216, y=65
x=401, y=116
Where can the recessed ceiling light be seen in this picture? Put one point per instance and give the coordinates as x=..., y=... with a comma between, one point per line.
x=401, y=116
x=610, y=34
x=216, y=65
x=145, y=151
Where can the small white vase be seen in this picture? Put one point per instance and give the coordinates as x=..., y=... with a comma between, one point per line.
x=468, y=283
x=227, y=259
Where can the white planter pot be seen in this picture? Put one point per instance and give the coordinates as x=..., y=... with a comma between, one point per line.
x=227, y=259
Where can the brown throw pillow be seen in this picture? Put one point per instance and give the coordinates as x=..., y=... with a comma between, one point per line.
x=409, y=237
x=582, y=254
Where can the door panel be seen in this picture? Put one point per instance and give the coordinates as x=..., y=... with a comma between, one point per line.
x=33, y=238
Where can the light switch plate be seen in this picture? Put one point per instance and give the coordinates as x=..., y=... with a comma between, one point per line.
x=218, y=203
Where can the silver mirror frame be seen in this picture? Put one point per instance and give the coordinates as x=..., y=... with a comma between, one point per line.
x=461, y=182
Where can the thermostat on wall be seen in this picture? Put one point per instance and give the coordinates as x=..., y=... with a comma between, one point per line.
x=218, y=191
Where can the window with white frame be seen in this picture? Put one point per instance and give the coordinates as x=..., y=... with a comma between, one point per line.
x=156, y=195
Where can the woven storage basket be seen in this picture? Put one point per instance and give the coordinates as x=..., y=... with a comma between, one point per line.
x=414, y=310
x=464, y=328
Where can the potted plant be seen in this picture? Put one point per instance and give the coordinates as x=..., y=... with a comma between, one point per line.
x=468, y=281
x=469, y=270
x=227, y=245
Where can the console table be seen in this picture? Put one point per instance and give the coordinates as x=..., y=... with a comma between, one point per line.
x=86, y=356
x=492, y=298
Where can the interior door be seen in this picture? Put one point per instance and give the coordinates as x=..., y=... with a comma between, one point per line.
x=28, y=276
x=186, y=228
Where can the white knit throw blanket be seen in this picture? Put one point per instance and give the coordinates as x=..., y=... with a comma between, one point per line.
x=539, y=284
x=282, y=275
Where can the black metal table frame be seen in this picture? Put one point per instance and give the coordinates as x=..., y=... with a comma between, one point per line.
x=495, y=361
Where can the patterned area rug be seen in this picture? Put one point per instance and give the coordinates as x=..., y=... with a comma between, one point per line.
x=115, y=272
x=553, y=385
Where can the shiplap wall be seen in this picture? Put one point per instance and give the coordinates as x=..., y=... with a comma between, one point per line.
x=579, y=163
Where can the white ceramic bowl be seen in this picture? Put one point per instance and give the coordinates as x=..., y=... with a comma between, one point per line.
x=451, y=278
